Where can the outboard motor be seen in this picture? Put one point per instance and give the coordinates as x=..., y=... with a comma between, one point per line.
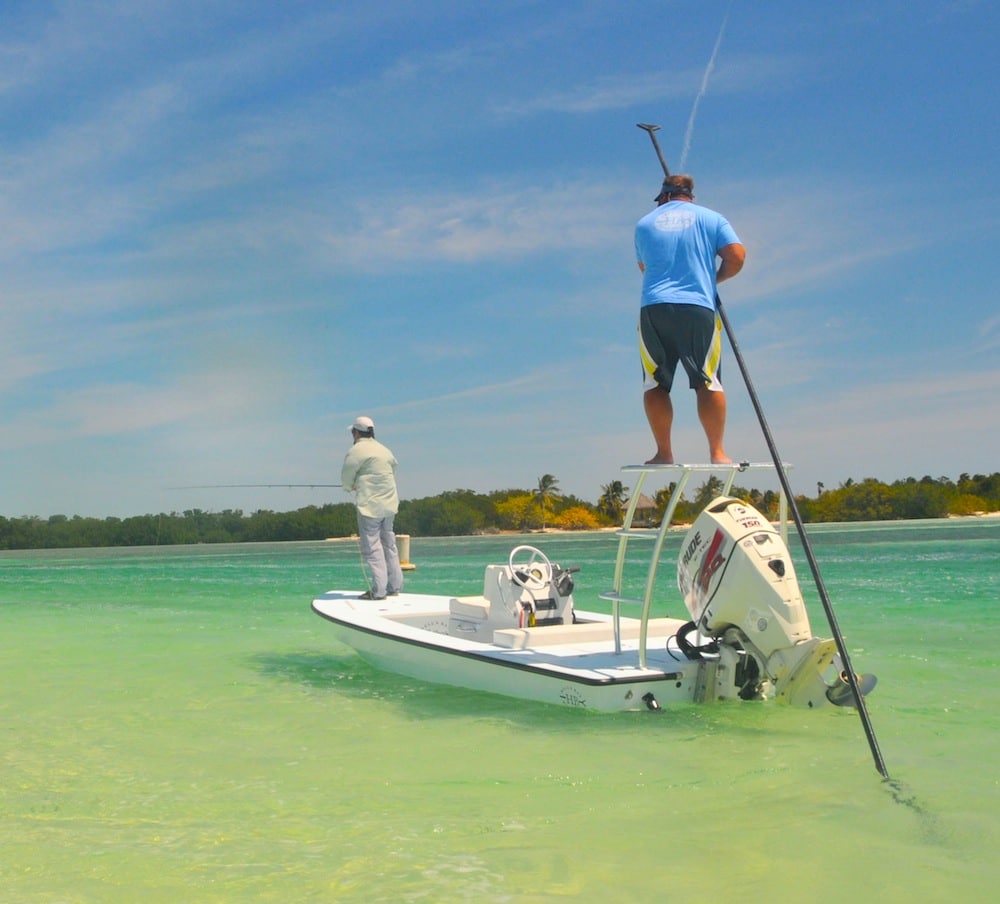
x=739, y=586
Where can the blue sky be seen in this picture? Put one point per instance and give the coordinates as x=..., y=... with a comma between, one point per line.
x=229, y=227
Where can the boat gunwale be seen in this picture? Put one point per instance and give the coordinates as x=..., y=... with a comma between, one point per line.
x=501, y=658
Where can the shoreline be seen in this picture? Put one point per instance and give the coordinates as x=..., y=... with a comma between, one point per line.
x=679, y=525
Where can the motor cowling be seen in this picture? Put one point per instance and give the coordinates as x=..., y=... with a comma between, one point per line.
x=739, y=586
x=734, y=570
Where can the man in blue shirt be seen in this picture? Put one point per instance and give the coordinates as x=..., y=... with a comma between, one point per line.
x=676, y=246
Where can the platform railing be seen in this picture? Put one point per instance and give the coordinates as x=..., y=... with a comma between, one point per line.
x=658, y=535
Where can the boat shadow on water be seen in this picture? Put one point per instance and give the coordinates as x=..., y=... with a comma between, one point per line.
x=348, y=675
x=725, y=725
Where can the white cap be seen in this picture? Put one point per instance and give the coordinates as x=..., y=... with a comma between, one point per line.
x=363, y=424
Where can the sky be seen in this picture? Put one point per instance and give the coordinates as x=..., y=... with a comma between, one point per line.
x=227, y=227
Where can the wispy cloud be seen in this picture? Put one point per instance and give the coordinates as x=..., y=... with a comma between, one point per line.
x=798, y=238
x=609, y=93
x=519, y=385
x=988, y=334
x=805, y=234
x=745, y=73
x=208, y=397
x=896, y=428
x=491, y=223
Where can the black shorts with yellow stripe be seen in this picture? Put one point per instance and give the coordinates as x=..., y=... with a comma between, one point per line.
x=685, y=333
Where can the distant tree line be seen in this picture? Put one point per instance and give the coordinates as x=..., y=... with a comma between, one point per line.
x=190, y=526
x=465, y=512
x=872, y=500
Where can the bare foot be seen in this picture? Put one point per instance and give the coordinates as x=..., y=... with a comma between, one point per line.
x=721, y=460
x=660, y=460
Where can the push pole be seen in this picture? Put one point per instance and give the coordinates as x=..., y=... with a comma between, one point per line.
x=849, y=674
x=650, y=129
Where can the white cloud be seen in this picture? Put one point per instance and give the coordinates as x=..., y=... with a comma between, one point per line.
x=806, y=236
x=491, y=223
x=744, y=74
x=225, y=390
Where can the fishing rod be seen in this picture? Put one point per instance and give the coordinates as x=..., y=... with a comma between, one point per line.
x=848, y=671
x=259, y=486
x=231, y=486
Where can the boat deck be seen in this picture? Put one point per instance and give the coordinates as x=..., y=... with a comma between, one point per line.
x=584, y=650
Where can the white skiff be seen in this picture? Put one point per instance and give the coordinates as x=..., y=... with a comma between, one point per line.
x=745, y=633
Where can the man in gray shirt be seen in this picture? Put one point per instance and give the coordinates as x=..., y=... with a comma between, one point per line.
x=369, y=472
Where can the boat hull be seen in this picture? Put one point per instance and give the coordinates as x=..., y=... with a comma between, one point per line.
x=572, y=665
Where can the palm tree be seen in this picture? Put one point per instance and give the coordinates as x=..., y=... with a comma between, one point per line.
x=707, y=492
x=548, y=488
x=613, y=500
x=662, y=500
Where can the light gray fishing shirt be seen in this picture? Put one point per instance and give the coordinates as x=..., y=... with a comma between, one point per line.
x=370, y=472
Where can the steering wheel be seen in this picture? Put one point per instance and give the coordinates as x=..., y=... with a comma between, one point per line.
x=529, y=567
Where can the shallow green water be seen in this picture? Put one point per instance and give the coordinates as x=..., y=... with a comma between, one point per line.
x=176, y=725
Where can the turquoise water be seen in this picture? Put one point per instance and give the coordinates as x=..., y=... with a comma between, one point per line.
x=176, y=725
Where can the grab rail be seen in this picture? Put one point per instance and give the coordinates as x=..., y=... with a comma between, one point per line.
x=628, y=533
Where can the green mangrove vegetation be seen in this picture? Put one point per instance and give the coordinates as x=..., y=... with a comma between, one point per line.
x=464, y=512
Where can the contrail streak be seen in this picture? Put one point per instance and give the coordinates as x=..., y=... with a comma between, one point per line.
x=701, y=91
